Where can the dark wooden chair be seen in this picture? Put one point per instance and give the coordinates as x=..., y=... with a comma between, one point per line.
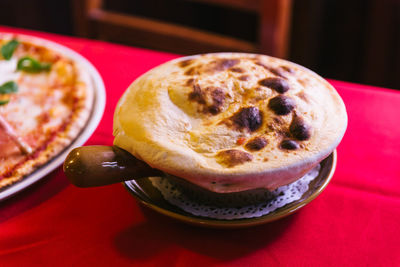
x=94, y=21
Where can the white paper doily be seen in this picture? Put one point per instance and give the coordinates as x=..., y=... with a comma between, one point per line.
x=279, y=198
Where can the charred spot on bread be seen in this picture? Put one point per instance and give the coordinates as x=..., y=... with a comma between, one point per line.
x=222, y=64
x=281, y=71
x=299, y=129
x=197, y=94
x=259, y=63
x=214, y=95
x=191, y=71
x=281, y=105
x=287, y=69
x=278, y=84
x=257, y=143
x=288, y=144
x=249, y=118
x=276, y=71
x=233, y=157
x=189, y=82
x=237, y=69
x=277, y=120
x=244, y=78
x=218, y=98
x=185, y=63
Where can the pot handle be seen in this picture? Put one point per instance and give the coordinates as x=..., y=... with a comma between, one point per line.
x=90, y=166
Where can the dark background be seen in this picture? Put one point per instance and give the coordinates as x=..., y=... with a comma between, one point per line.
x=355, y=40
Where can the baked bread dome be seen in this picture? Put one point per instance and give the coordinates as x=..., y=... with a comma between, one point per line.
x=230, y=122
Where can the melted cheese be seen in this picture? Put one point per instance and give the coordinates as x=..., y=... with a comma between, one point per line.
x=8, y=70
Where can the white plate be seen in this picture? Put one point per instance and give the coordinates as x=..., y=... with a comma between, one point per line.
x=92, y=123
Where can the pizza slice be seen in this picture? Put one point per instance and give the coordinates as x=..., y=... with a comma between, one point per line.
x=45, y=101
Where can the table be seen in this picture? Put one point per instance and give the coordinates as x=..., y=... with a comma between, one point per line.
x=354, y=222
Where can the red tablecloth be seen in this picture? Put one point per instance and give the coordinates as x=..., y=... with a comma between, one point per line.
x=354, y=222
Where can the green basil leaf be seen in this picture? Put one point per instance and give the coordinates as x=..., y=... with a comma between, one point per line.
x=3, y=102
x=8, y=87
x=31, y=65
x=7, y=50
x=46, y=66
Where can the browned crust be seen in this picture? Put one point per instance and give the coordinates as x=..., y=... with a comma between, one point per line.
x=233, y=157
x=211, y=150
